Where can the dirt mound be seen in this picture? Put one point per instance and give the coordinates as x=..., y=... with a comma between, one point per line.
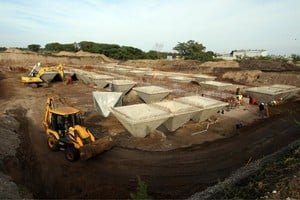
x=23, y=59
x=166, y=65
x=221, y=64
x=268, y=65
x=248, y=77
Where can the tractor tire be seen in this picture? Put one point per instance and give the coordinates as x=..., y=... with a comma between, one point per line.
x=72, y=154
x=52, y=143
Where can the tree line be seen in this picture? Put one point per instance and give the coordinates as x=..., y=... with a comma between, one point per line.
x=191, y=50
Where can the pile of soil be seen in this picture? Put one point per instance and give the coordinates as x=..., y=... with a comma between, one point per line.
x=268, y=65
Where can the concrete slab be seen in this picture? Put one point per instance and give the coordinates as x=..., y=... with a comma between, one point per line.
x=208, y=106
x=180, y=113
x=216, y=85
x=122, y=85
x=150, y=94
x=181, y=79
x=140, y=119
x=104, y=101
x=273, y=92
x=202, y=77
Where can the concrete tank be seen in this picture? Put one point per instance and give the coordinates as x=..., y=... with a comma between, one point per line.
x=208, y=106
x=140, y=119
x=151, y=94
x=104, y=101
x=273, y=92
x=180, y=113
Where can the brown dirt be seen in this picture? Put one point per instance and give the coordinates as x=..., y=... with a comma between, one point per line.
x=188, y=160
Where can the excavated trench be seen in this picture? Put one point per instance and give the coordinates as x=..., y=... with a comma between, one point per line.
x=174, y=174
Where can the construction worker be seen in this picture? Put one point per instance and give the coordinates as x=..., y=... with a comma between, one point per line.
x=261, y=109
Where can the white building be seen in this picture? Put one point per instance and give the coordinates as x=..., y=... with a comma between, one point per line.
x=248, y=53
x=243, y=53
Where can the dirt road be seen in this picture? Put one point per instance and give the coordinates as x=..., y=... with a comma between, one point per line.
x=172, y=174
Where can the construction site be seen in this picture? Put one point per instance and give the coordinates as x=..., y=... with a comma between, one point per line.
x=180, y=126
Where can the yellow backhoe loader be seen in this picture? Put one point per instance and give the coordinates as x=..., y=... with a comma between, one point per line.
x=41, y=76
x=65, y=132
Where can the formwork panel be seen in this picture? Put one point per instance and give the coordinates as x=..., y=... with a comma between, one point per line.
x=208, y=107
x=104, y=101
x=273, y=92
x=151, y=94
x=180, y=113
x=140, y=119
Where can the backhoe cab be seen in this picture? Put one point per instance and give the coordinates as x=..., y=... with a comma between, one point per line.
x=64, y=130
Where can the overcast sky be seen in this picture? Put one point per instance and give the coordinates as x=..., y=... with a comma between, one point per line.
x=220, y=25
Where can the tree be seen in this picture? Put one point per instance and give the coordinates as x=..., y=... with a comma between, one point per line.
x=295, y=58
x=55, y=46
x=34, y=47
x=193, y=50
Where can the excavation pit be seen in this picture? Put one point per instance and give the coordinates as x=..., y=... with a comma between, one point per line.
x=267, y=94
x=123, y=86
x=180, y=113
x=104, y=101
x=150, y=94
x=140, y=119
x=208, y=107
x=216, y=85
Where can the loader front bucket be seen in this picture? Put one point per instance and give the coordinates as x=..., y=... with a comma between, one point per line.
x=90, y=150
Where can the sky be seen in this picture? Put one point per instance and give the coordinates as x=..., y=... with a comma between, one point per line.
x=220, y=25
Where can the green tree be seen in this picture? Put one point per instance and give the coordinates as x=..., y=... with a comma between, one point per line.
x=34, y=47
x=55, y=46
x=193, y=50
x=295, y=58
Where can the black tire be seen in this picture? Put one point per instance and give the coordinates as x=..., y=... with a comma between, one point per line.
x=72, y=154
x=52, y=143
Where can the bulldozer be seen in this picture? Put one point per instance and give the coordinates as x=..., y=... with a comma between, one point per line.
x=64, y=131
x=41, y=76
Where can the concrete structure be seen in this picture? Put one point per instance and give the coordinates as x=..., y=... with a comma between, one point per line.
x=216, y=85
x=273, y=92
x=140, y=119
x=208, y=106
x=100, y=80
x=201, y=77
x=155, y=75
x=122, y=71
x=181, y=79
x=248, y=53
x=138, y=73
x=48, y=76
x=122, y=85
x=104, y=101
x=180, y=113
x=151, y=94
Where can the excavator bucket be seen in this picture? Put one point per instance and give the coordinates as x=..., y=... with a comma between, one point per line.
x=90, y=150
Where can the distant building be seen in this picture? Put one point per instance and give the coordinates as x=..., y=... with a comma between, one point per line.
x=243, y=53
x=248, y=53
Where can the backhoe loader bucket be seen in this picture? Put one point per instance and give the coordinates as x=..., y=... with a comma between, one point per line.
x=90, y=150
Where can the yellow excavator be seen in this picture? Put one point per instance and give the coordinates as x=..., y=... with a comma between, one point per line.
x=64, y=130
x=41, y=76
